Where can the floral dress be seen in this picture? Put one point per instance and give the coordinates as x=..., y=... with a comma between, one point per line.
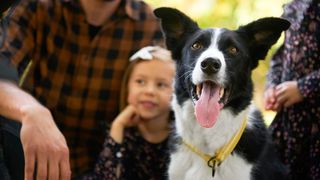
x=134, y=159
x=296, y=129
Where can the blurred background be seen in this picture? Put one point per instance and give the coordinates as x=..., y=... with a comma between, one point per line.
x=231, y=14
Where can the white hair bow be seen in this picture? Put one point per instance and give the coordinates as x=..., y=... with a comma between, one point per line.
x=144, y=53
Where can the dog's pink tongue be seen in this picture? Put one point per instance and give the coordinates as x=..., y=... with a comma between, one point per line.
x=207, y=108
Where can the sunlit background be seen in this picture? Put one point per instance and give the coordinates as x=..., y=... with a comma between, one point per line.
x=231, y=14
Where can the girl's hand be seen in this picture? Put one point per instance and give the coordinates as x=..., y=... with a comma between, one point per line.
x=288, y=93
x=127, y=118
x=270, y=99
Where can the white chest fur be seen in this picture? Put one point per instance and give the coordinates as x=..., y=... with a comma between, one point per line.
x=187, y=165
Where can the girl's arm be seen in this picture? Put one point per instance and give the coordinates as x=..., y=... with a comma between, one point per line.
x=125, y=119
x=110, y=157
x=275, y=70
x=309, y=86
x=273, y=79
x=108, y=161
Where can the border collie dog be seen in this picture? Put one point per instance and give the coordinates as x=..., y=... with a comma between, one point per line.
x=219, y=134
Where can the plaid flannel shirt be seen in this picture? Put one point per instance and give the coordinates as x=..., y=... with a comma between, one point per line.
x=76, y=77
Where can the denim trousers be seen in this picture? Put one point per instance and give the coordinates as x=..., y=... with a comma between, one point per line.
x=11, y=152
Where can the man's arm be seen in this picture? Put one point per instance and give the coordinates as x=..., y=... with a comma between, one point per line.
x=44, y=145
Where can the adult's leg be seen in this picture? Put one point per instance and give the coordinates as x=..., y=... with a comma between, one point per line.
x=12, y=148
x=4, y=173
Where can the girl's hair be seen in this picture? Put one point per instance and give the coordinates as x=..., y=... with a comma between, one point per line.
x=157, y=53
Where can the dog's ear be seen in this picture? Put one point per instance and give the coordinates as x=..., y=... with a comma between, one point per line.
x=262, y=34
x=175, y=26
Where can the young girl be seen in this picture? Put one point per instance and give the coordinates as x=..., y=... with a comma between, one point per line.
x=137, y=146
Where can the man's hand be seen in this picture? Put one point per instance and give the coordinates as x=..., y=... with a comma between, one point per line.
x=45, y=148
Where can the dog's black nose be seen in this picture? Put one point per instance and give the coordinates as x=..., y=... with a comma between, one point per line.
x=210, y=65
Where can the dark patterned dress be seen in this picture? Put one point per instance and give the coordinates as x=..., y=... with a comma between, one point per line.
x=296, y=129
x=134, y=159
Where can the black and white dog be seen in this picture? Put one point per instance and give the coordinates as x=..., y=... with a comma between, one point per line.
x=213, y=96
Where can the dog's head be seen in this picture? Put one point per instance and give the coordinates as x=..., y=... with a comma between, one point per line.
x=214, y=65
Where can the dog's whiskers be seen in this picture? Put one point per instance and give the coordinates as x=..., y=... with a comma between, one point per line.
x=186, y=74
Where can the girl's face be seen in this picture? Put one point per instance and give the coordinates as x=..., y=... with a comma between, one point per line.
x=150, y=88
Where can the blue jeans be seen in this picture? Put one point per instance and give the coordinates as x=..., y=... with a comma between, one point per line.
x=11, y=157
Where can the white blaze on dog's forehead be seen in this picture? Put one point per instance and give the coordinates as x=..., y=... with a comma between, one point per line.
x=211, y=52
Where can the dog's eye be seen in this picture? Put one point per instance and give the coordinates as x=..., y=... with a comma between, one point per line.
x=232, y=50
x=196, y=46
